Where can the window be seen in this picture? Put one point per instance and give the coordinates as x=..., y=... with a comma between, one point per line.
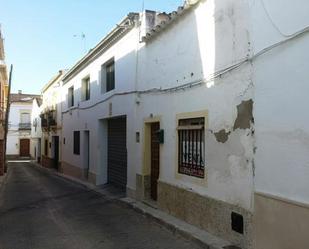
x=71, y=96
x=46, y=147
x=191, y=147
x=25, y=118
x=86, y=89
x=76, y=141
x=110, y=76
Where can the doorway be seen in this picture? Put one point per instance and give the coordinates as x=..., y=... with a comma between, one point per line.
x=24, y=149
x=154, y=160
x=39, y=151
x=56, y=151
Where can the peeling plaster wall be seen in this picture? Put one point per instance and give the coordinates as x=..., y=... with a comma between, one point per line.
x=281, y=101
x=207, y=39
x=281, y=125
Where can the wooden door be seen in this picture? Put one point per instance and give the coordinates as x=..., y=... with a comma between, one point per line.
x=24, y=150
x=155, y=160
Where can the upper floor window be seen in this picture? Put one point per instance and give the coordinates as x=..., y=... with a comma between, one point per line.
x=25, y=118
x=71, y=96
x=86, y=89
x=108, y=76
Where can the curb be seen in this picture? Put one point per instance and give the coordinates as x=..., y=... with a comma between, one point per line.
x=176, y=226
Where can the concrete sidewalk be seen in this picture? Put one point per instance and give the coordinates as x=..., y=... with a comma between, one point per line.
x=177, y=226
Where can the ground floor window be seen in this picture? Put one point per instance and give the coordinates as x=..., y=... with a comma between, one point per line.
x=191, y=147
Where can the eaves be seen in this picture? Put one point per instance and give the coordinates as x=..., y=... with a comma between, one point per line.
x=173, y=17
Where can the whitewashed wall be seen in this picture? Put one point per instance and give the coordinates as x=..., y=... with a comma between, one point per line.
x=84, y=118
x=14, y=134
x=36, y=131
x=210, y=38
x=52, y=99
x=281, y=101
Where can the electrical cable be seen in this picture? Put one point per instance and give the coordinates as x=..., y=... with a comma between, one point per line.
x=202, y=81
x=273, y=22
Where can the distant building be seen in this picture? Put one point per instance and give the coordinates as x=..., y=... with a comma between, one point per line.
x=51, y=122
x=19, y=132
x=3, y=103
x=36, y=130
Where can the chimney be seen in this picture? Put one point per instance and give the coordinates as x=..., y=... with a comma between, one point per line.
x=20, y=91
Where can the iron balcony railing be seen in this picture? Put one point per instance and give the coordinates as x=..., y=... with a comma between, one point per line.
x=24, y=126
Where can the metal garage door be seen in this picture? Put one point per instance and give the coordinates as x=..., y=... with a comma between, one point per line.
x=117, y=152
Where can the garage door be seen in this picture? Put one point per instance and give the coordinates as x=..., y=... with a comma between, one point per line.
x=117, y=152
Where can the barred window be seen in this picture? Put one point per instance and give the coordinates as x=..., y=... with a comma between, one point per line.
x=191, y=147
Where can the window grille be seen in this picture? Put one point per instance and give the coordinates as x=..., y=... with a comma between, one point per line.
x=191, y=147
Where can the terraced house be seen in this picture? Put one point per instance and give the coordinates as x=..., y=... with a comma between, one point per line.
x=19, y=128
x=51, y=123
x=189, y=112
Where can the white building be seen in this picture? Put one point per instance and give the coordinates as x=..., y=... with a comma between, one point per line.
x=36, y=130
x=192, y=110
x=51, y=122
x=19, y=132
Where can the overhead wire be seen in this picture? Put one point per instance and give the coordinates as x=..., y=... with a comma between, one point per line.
x=211, y=77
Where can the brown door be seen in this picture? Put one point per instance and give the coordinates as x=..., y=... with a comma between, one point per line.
x=24, y=147
x=155, y=160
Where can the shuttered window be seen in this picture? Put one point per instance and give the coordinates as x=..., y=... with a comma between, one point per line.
x=110, y=76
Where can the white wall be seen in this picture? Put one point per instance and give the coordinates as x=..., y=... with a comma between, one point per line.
x=52, y=100
x=90, y=113
x=193, y=49
x=281, y=101
x=36, y=131
x=196, y=46
x=14, y=134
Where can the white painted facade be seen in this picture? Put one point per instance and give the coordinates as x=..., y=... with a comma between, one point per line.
x=209, y=61
x=52, y=101
x=17, y=109
x=190, y=46
x=36, y=131
x=90, y=115
x=185, y=52
x=281, y=86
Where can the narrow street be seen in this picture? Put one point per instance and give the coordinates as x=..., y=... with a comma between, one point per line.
x=39, y=211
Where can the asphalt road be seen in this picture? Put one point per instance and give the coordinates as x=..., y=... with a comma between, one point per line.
x=39, y=210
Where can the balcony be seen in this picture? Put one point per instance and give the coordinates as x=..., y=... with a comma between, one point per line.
x=48, y=120
x=44, y=122
x=24, y=126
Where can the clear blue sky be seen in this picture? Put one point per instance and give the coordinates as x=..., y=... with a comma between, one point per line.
x=39, y=34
